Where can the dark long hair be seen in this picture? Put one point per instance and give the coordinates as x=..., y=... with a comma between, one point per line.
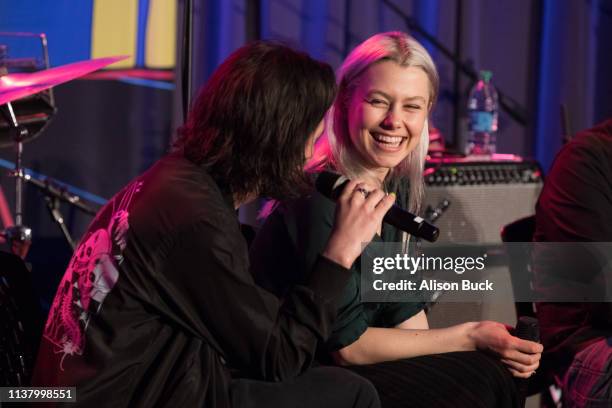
x=250, y=122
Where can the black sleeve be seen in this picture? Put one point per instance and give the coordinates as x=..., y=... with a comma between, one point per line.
x=393, y=313
x=260, y=336
x=300, y=229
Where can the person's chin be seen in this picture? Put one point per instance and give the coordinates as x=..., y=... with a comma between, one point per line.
x=386, y=162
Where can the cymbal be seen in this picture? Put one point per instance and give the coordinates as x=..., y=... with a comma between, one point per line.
x=33, y=112
x=19, y=85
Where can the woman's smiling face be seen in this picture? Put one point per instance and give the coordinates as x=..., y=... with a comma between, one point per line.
x=386, y=114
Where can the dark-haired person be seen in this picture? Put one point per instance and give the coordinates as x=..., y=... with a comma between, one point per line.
x=576, y=206
x=157, y=306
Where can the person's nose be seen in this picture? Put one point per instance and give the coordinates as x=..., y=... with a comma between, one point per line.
x=392, y=120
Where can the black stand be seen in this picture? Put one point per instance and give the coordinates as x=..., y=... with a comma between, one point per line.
x=187, y=57
x=18, y=232
x=56, y=215
x=509, y=105
x=53, y=196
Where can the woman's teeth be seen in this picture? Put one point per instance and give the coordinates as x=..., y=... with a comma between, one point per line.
x=391, y=141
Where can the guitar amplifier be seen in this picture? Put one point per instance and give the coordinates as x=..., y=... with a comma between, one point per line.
x=482, y=197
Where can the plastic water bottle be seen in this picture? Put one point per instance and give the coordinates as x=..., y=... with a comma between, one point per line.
x=483, y=109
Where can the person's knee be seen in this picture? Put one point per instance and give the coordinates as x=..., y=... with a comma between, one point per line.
x=320, y=387
x=367, y=396
x=349, y=384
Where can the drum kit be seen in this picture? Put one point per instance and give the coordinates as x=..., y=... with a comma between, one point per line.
x=13, y=88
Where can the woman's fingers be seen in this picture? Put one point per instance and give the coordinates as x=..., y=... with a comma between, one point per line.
x=359, y=212
x=385, y=205
x=519, y=374
x=526, y=346
x=348, y=191
x=374, y=199
x=521, y=358
x=361, y=192
x=521, y=368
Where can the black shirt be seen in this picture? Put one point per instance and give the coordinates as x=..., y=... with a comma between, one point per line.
x=286, y=247
x=158, y=306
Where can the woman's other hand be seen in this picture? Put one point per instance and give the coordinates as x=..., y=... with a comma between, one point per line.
x=522, y=357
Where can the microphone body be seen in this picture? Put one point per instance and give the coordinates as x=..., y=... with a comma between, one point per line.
x=331, y=186
x=527, y=328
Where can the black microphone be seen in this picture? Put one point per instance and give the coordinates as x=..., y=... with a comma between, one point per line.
x=527, y=328
x=331, y=186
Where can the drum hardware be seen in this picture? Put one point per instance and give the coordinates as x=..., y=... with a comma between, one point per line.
x=17, y=232
x=16, y=86
x=54, y=193
x=35, y=111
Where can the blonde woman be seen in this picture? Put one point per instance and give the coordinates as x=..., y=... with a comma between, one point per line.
x=377, y=131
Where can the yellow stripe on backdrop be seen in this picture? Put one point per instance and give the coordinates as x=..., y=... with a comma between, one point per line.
x=114, y=30
x=160, y=50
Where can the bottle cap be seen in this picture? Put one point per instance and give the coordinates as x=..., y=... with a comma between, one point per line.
x=486, y=75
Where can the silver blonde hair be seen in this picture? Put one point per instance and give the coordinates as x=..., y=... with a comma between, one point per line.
x=335, y=148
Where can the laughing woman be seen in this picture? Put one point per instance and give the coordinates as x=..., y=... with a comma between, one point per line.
x=377, y=131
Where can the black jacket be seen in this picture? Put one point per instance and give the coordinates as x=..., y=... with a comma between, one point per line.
x=158, y=306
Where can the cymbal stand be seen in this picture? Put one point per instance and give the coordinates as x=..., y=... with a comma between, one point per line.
x=53, y=207
x=54, y=194
x=18, y=232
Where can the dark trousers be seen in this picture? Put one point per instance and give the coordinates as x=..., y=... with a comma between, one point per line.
x=450, y=380
x=319, y=387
